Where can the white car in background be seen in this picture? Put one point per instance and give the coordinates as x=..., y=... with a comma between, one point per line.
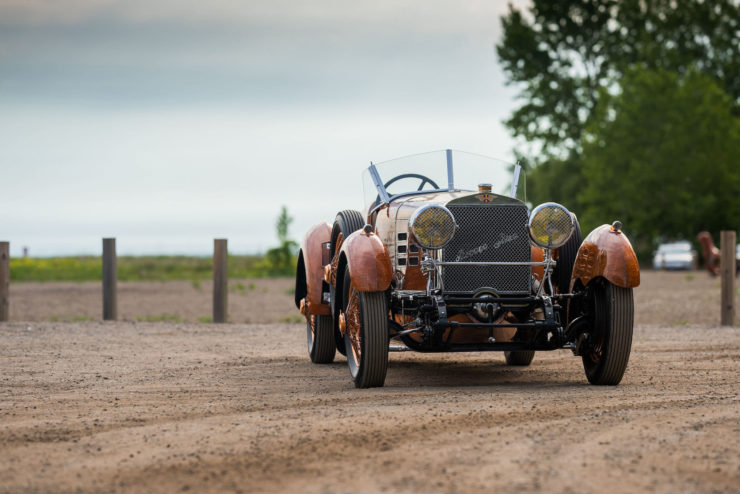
x=675, y=255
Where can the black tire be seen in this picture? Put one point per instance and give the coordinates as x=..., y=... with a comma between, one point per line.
x=611, y=319
x=346, y=223
x=566, y=258
x=320, y=336
x=519, y=357
x=369, y=370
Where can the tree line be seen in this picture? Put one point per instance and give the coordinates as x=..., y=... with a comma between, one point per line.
x=630, y=110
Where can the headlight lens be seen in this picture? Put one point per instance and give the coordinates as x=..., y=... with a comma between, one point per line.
x=432, y=226
x=550, y=225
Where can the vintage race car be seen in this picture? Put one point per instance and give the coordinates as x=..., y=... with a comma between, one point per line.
x=446, y=256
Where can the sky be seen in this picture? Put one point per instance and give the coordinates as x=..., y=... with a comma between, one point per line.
x=168, y=123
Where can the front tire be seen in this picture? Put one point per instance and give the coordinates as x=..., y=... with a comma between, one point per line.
x=345, y=223
x=320, y=336
x=519, y=357
x=611, y=319
x=366, y=335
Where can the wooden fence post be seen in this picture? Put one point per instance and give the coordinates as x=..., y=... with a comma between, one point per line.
x=110, y=280
x=727, y=276
x=220, y=280
x=4, y=281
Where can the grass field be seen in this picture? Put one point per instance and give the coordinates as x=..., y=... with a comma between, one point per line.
x=154, y=268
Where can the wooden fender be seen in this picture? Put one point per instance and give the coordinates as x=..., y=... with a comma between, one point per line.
x=311, y=259
x=538, y=255
x=606, y=252
x=368, y=262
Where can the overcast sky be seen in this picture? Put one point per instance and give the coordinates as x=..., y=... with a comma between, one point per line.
x=169, y=123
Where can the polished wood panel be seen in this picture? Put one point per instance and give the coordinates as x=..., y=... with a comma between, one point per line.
x=368, y=261
x=469, y=334
x=476, y=335
x=538, y=255
x=414, y=279
x=313, y=255
x=608, y=253
x=335, y=262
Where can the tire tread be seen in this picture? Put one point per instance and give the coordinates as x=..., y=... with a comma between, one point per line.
x=351, y=221
x=567, y=258
x=374, y=315
x=324, y=346
x=618, y=345
x=519, y=357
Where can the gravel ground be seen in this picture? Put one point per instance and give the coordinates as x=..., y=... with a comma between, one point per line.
x=667, y=298
x=161, y=407
x=250, y=301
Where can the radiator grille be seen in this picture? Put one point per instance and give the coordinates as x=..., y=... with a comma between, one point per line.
x=488, y=233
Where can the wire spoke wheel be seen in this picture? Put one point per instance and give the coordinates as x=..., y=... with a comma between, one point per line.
x=365, y=335
x=611, y=310
x=345, y=223
x=352, y=317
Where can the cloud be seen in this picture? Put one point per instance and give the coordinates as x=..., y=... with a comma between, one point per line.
x=218, y=112
x=380, y=16
x=259, y=54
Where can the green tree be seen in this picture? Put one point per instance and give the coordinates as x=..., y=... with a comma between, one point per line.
x=558, y=180
x=562, y=54
x=565, y=56
x=282, y=225
x=663, y=156
x=280, y=260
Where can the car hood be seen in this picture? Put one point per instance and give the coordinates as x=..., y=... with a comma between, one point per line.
x=404, y=207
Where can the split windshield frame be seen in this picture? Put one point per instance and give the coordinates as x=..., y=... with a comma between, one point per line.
x=386, y=199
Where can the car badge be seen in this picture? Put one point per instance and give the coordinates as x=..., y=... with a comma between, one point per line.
x=484, y=197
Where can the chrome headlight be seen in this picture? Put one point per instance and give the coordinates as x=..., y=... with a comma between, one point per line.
x=432, y=226
x=550, y=225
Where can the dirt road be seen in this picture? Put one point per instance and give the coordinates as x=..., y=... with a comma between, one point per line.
x=250, y=301
x=175, y=407
x=668, y=298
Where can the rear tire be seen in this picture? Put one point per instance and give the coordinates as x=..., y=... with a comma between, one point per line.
x=320, y=336
x=346, y=223
x=368, y=364
x=611, y=320
x=519, y=357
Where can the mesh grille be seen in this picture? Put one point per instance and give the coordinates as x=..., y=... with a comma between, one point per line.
x=488, y=233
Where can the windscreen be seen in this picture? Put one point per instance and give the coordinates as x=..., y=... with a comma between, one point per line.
x=428, y=172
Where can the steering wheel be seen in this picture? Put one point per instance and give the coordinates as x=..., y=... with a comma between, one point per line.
x=424, y=180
